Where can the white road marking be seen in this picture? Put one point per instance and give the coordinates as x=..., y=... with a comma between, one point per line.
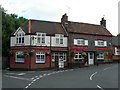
x=92, y=75
x=21, y=74
x=100, y=87
x=106, y=68
x=17, y=77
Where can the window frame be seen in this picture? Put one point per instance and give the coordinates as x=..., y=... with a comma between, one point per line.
x=79, y=56
x=117, y=51
x=101, y=43
x=19, y=60
x=40, y=54
x=100, y=56
x=20, y=38
x=41, y=38
x=59, y=38
x=58, y=54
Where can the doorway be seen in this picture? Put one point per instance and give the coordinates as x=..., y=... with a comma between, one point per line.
x=90, y=58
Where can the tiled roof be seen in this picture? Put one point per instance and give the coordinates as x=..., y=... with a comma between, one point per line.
x=43, y=27
x=87, y=28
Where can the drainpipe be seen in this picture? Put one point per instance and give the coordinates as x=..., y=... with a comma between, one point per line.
x=50, y=52
x=29, y=31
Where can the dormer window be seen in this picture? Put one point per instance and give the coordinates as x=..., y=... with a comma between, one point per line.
x=41, y=38
x=59, y=38
x=81, y=42
x=100, y=43
x=20, y=38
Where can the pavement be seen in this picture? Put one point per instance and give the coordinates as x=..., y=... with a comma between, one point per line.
x=99, y=77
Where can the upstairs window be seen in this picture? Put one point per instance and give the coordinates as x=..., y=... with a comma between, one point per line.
x=117, y=51
x=59, y=38
x=20, y=38
x=100, y=43
x=41, y=38
x=80, y=42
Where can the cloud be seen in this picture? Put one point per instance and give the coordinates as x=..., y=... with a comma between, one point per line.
x=88, y=11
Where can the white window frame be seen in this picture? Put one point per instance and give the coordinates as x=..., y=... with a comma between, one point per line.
x=59, y=38
x=100, y=56
x=41, y=38
x=20, y=38
x=40, y=55
x=78, y=58
x=58, y=54
x=117, y=51
x=81, y=42
x=19, y=59
x=100, y=43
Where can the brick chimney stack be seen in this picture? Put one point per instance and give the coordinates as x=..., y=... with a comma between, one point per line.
x=103, y=22
x=29, y=26
x=64, y=19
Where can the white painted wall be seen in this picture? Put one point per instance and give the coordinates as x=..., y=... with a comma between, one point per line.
x=34, y=41
x=54, y=44
x=12, y=41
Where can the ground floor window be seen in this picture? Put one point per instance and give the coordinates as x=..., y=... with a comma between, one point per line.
x=40, y=57
x=100, y=56
x=78, y=56
x=58, y=55
x=19, y=57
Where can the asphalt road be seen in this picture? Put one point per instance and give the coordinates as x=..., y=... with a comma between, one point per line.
x=99, y=77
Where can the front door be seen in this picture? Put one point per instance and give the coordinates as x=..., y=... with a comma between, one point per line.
x=90, y=58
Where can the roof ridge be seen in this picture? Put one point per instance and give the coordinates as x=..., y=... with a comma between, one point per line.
x=85, y=23
x=44, y=21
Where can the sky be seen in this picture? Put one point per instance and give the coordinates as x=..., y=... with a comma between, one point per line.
x=86, y=11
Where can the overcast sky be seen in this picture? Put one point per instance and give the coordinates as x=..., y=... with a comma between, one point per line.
x=87, y=11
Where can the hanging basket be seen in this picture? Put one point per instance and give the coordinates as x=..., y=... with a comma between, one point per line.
x=26, y=53
x=84, y=54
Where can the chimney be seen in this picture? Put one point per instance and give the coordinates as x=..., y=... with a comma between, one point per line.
x=29, y=26
x=103, y=22
x=64, y=19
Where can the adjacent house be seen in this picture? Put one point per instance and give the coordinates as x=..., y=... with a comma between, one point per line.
x=89, y=43
x=116, y=49
x=43, y=44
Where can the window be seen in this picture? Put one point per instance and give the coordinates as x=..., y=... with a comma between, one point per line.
x=19, y=57
x=117, y=51
x=100, y=43
x=80, y=42
x=78, y=57
x=41, y=38
x=100, y=56
x=59, y=38
x=20, y=38
x=40, y=57
x=58, y=55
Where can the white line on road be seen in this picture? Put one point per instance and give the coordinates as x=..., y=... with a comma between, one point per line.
x=21, y=74
x=92, y=75
x=106, y=68
x=100, y=87
x=17, y=77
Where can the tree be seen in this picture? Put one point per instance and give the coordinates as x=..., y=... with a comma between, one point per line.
x=10, y=22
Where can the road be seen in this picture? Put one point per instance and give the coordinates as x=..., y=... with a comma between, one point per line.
x=100, y=77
